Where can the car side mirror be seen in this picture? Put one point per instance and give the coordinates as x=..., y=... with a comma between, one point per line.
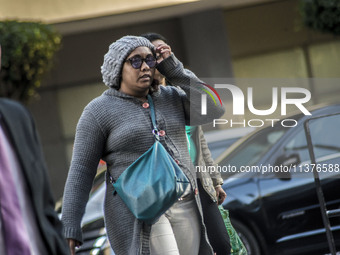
x=285, y=163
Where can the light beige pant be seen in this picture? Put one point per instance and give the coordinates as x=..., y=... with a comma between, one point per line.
x=178, y=231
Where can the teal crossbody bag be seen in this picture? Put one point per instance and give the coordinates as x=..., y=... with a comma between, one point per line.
x=153, y=183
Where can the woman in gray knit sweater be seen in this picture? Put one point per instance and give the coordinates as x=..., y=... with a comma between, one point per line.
x=116, y=127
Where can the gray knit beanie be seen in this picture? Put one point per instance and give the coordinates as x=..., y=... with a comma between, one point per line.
x=115, y=57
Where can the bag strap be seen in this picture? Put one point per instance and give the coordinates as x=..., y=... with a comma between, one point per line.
x=153, y=118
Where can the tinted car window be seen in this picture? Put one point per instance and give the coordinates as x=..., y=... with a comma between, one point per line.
x=298, y=144
x=325, y=143
x=325, y=136
x=251, y=151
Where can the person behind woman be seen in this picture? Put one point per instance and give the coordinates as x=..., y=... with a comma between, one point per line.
x=210, y=190
x=209, y=182
x=116, y=127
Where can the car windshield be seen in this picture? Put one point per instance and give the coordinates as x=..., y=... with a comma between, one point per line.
x=250, y=151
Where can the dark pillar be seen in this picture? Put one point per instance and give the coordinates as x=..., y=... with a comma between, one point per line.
x=206, y=44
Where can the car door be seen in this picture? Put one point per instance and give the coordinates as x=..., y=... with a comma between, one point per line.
x=290, y=201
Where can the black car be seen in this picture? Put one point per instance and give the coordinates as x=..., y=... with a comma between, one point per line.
x=272, y=197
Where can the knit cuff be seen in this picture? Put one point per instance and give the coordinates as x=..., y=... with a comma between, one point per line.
x=168, y=65
x=72, y=233
x=217, y=181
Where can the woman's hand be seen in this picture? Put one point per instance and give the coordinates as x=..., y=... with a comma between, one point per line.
x=73, y=244
x=163, y=51
x=220, y=194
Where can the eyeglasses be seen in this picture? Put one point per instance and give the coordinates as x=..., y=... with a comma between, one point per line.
x=137, y=61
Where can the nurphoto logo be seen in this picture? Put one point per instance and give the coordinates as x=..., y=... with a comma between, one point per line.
x=238, y=104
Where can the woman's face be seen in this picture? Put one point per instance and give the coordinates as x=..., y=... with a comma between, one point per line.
x=136, y=82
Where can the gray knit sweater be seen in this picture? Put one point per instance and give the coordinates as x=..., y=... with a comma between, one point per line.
x=115, y=127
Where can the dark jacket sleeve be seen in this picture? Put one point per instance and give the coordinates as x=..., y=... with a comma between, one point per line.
x=25, y=139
